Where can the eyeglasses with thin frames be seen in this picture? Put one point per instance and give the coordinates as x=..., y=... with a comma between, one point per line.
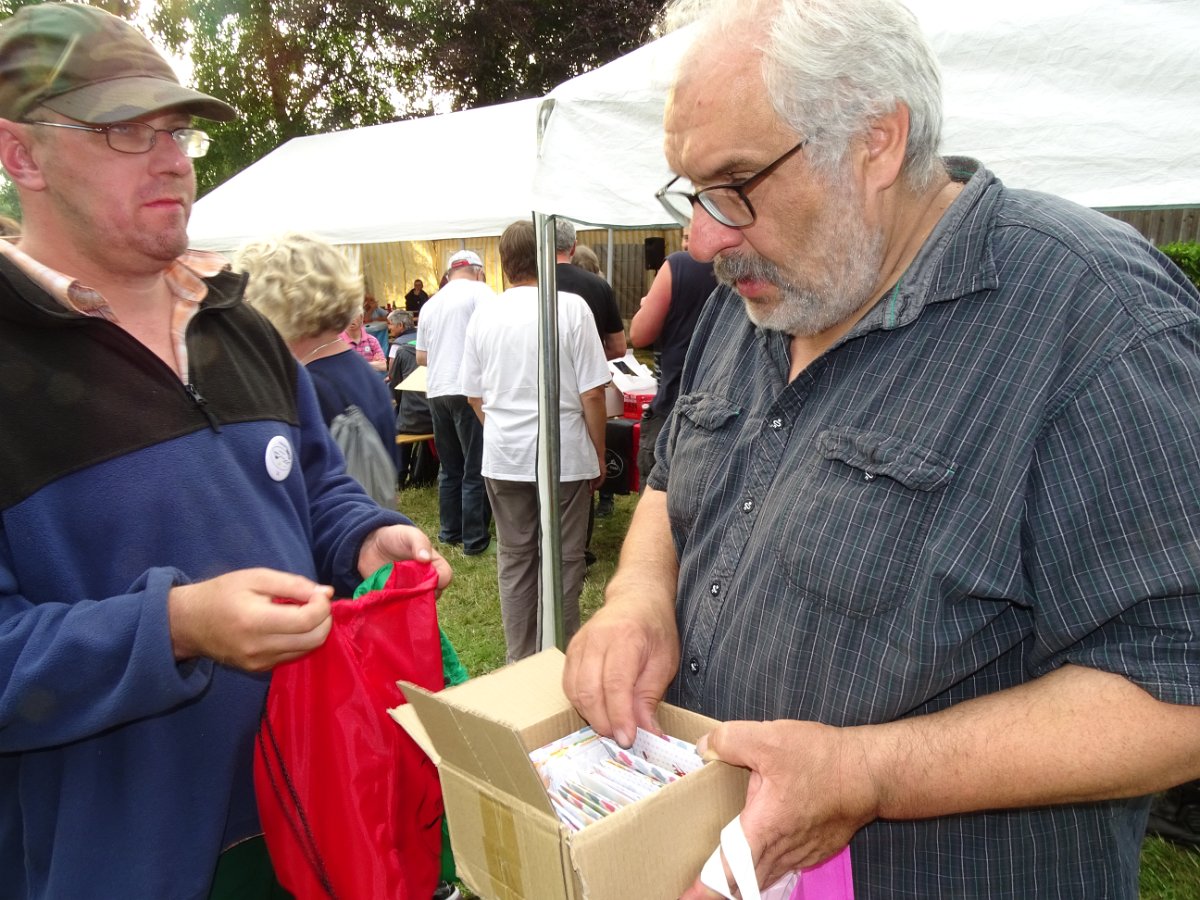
x=727, y=203
x=138, y=137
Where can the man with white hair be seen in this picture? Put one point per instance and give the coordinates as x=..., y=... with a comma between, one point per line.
x=919, y=530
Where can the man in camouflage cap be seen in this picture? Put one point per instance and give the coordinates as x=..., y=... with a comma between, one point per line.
x=166, y=478
x=91, y=66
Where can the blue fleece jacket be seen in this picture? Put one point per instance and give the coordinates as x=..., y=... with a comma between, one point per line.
x=124, y=773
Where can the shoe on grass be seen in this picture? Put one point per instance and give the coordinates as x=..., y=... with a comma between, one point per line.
x=1175, y=815
x=446, y=891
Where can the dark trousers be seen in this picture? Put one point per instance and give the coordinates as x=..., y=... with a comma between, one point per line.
x=462, y=499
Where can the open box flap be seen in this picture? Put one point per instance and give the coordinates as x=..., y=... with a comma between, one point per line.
x=478, y=726
x=406, y=717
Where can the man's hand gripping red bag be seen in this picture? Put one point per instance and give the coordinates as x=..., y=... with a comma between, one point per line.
x=350, y=806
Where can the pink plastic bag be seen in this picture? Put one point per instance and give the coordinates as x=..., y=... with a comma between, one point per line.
x=831, y=880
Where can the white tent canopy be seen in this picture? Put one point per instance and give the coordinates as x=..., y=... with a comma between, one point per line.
x=1094, y=100
x=455, y=175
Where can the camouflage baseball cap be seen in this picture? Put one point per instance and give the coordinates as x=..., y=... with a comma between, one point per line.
x=91, y=66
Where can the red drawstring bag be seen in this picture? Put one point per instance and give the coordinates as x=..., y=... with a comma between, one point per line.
x=351, y=808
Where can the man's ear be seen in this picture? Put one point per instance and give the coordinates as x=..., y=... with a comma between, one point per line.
x=884, y=147
x=17, y=157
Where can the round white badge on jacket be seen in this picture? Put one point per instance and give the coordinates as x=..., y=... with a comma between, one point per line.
x=279, y=457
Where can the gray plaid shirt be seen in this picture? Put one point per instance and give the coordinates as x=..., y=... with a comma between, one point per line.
x=992, y=475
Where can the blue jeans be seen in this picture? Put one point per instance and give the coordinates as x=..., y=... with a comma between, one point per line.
x=462, y=499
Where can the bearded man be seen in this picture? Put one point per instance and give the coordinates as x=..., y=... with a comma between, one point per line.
x=921, y=530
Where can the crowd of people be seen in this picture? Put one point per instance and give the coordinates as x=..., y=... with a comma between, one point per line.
x=499, y=377
x=916, y=531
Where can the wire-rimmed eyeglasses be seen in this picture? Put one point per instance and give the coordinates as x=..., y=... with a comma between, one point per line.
x=138, y=137
x=727, y=203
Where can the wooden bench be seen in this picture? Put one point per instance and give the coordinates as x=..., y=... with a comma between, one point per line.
x=413, y=438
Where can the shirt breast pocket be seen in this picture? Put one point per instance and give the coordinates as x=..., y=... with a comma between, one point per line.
x=853, y=542
x=704, y=429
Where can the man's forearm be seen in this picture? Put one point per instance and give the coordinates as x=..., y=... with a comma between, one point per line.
x=595, y=416
x=621, y=661
x=1075, y=735
x=614, y=345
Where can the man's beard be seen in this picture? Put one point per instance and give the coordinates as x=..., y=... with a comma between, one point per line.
x=846, y=257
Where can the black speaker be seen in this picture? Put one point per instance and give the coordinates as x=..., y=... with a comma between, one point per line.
x=656, y=252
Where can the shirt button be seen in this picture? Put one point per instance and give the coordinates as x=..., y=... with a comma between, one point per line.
x=694, y=665
x=748, y=505
x=775, y=424
x=714, y=588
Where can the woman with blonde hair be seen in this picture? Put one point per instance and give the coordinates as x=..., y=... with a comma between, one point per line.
x=310, y=292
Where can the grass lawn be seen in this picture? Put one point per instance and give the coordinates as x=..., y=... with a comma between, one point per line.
x=469, y=611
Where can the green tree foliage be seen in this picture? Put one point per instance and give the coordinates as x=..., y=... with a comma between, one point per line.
x=488, y=51
x=1186, y=255
x=299, y=67
x=9, y=204
x=291, y=68
x=302, y=67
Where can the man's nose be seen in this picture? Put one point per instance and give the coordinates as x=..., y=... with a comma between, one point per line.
x=708, y=237
x=168, y=155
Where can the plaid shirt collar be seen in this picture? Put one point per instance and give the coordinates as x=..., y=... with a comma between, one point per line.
x=184, y=276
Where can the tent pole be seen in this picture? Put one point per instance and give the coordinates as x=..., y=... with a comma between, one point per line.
x=551, y=630
x=608, y=263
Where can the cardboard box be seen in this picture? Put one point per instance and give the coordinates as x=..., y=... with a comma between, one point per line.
x=508, y=843
x=614, y=402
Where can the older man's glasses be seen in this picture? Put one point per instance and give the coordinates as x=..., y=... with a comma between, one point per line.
x=137, y=137
x=727, y=203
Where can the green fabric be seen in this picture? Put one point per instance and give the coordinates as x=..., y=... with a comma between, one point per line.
x=449, y=870
x=454, y=673
x=244, y=873
x=452, y=668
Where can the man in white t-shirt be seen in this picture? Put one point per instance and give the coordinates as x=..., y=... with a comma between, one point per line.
x=500, y=378
x=462, y=501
